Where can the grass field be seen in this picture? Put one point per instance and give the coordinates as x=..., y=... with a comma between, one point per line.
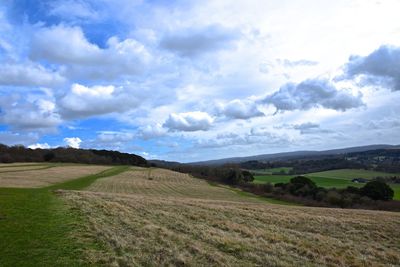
x=350, y=174
x=162, y=183
x=334, y=178
x=23, y=177
x=162, y=227
x=39, y=229
x=281, y=170
x=125, y=216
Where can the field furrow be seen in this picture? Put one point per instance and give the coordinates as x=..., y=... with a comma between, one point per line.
x=142, y=230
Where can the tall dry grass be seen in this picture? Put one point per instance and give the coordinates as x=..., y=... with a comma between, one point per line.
x=143, y=230
x=170, y=219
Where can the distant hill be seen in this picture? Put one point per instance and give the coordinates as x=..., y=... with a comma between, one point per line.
x=294, y=155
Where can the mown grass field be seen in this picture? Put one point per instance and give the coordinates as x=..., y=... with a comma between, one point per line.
x=44, y=175
x=282, y=170
x=125, y=216
x=351, y=174
x=39, y=229
x=334, y=178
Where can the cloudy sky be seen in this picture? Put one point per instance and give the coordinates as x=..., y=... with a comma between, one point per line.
x=195, y=80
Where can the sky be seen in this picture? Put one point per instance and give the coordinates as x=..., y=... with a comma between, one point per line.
x=196, y=80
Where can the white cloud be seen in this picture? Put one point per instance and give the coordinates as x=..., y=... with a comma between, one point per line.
x=189, y=121
x=39, y=145
x=136, y=62
x=82, y=101
x=72, y=10
x=67, y=45
x=73, y=142
x=28, y=74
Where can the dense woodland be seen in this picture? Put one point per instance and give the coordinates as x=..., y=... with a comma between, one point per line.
x=10, y=154
x=386, y=160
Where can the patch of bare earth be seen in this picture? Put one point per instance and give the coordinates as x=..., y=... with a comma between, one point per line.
x=46, y=177
x=143, y=220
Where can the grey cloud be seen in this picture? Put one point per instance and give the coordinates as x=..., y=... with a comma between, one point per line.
x=296, y=63
x=254, y=137
x=38, y=115
x=312, y=93
x=114, y=137
x=381, y=67
x=240, y=109
x=306, y=126
x=28, y=75
x=151, y=131
x=192, y=42
x=189, y=121
x=14, y=138
x=310, y=128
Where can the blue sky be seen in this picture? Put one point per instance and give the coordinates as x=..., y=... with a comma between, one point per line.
x=196, y=80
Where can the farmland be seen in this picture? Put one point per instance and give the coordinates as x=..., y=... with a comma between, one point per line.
x=334, y=178
x=30, y=176
x=131, y=216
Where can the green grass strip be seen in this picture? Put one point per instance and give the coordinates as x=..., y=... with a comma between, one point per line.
x=81, y=183
x=37, y=228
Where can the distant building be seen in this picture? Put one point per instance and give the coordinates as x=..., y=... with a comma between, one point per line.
x=360, y=180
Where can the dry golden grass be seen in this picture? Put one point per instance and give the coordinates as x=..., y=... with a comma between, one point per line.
x=22, y=168
x=141, y=230
x=45, y=177
x=175, y=220
x=163, y=183
x=16, y=164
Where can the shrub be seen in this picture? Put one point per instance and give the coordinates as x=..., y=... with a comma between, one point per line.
x=334, y=198
x=268, y=187
x=377, y=190
x=352, y=190
x=320, y=194
x=300, y=181
x=301, y=185
x=281, y=185
x=247, y=176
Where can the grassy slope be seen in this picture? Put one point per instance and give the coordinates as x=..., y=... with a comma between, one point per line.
x=350, y=174
x=335, y=178
x=36, y=227
x=273, y=170
x=161, y=227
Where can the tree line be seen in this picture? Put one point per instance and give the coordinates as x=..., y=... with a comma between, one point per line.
x=384, y=160
x=19, y=153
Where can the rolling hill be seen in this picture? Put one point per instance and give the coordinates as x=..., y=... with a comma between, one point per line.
x=294, y=155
